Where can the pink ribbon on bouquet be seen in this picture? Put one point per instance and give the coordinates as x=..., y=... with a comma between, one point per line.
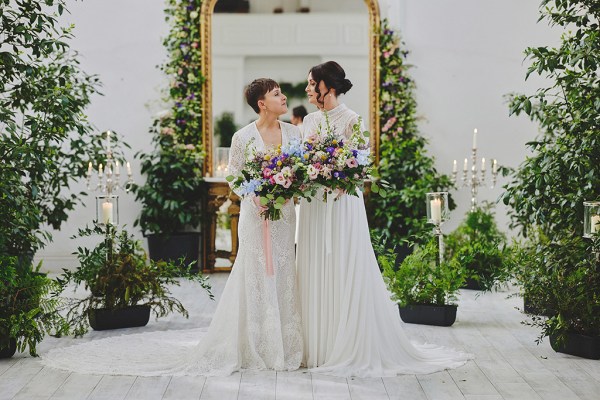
x=267, y=247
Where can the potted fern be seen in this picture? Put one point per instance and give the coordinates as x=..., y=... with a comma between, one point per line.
x=482, y=249
x=124, y=286
x=424, y=289
x=27, y=308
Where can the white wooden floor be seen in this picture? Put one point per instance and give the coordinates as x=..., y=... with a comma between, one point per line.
x=508, y=365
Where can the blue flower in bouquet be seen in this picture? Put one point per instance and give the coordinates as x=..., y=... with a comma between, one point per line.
x=293, y=148
x=362, y=156
x=250, y=187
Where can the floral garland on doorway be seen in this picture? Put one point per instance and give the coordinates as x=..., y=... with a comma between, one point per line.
x=173, y=187
x=404, y=162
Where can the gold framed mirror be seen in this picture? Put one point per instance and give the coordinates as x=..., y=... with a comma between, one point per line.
x=206, y=13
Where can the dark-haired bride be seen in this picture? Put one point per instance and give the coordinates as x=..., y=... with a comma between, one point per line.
x=351, y=327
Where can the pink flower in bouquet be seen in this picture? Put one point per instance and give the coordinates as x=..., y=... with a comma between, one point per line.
x=351, y=162
x=326, y=171
x=279, y=179
x=287, y=183
x=313, y=172
x=267, y=172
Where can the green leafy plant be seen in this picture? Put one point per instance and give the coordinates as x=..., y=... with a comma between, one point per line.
x=571, y=288
x=118, y=274
x=44, y=133
x=404, y=163
x=293, y=90
x=547, y=191
x=419, y=279
x=28, y=307
x=225, y=127
x=172, y=193
x=479, y=246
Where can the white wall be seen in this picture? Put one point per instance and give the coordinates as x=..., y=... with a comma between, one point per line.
x=467, y=54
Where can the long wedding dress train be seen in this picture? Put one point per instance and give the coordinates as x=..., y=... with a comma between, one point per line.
x=351, y=327
x=255, y=326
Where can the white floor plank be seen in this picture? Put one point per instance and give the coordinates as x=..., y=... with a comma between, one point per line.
x=517, y=391
x=330, y=387
x=148, y=388
x=294, y=385
x=17, y=377
x=440, y=386
x=258, y=385
x=44, y=384
x=76, y=386
x=367, y=389
x=221, y=388
x=404, y=387
x=7, y=363
x=112, y=388
x=471, y=381
x=184, y=388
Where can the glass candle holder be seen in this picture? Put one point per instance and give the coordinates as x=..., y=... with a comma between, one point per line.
x=221, y=162
x=107, y=209
x=591, y=218
x=437, y=207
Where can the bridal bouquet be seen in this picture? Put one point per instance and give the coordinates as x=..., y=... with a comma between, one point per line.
x=336, y=162
x=275, y=176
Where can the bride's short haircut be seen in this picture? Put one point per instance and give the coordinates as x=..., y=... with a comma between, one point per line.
x=257, y=89
x=334, y=77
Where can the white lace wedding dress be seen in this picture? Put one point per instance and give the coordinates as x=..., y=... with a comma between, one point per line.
x=351, y=327
x=256, y=324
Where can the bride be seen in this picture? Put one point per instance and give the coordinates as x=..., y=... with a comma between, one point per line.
x=257, y=322
x=350, y=325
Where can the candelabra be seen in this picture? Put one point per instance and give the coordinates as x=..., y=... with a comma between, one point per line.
x=591, y=225
x=109, y=178
x=477, y=178
x=437, y=214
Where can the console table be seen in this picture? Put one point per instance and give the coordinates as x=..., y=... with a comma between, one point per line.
x=217, y=193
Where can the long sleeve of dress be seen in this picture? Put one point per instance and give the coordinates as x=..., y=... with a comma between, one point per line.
x=237, y=158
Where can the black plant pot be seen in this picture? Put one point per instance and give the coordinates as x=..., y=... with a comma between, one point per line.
x=9, y=351
x=129, y=317
x=174, y=247
x=578, y=345
x=428, y=314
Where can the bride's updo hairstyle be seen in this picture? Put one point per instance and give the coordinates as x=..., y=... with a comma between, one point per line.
x=334, y=77
x=257, y=89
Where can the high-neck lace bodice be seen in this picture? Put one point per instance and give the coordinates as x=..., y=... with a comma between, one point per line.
x=341, y=119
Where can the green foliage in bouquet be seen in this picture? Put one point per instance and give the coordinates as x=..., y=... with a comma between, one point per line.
x=172, y=193
x=28, y=306
x=118, y=274
x=482, y=249
x=404, y=163
x=547, y=191
x=420, y=279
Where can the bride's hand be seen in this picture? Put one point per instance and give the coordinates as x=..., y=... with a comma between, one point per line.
x=257, y=203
